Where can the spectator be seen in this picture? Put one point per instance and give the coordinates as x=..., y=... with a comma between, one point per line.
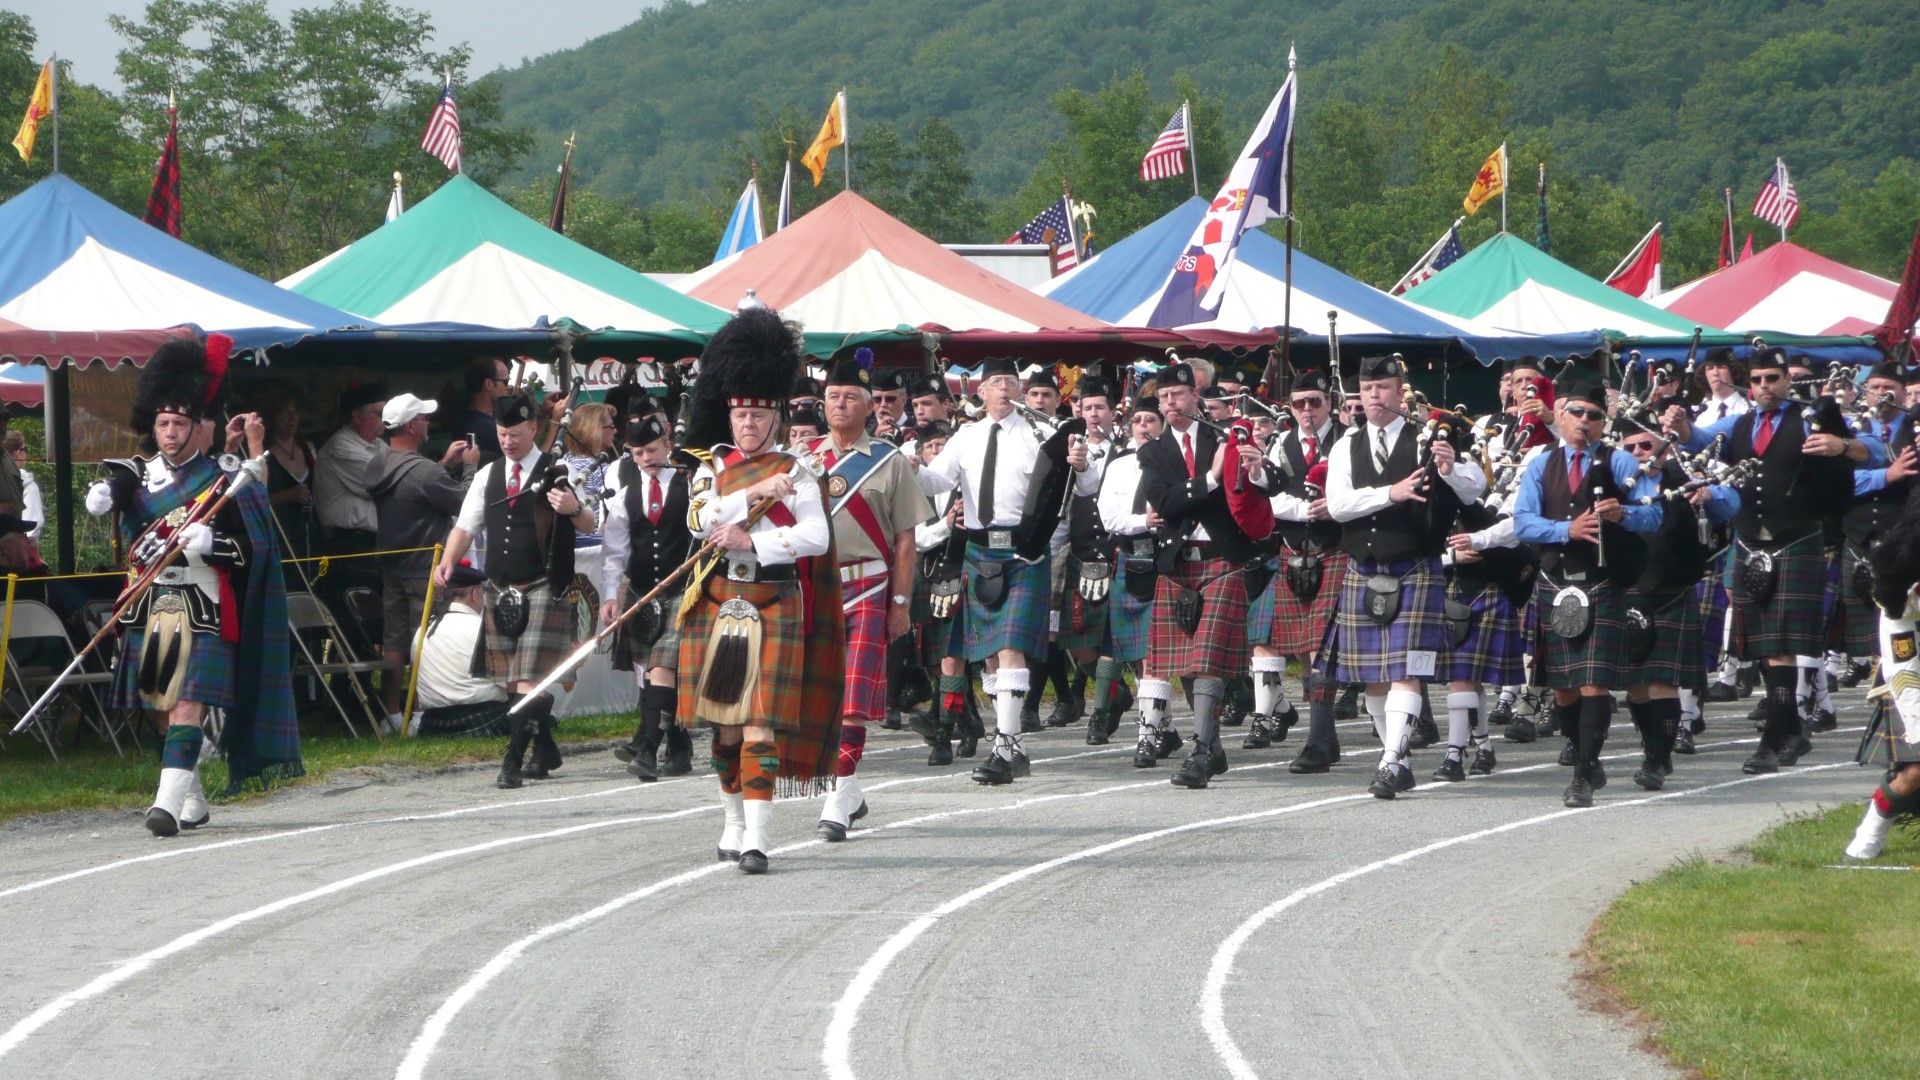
x=32, y=503
x=590, y=437
x=290, y=465
x=340, y=500
x=414, y=501
x=487, y=379
x=452, y=701
x=11, y=497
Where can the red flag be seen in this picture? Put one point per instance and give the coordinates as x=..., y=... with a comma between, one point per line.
x=1638, y=275
x=163, y=202
x=1746, y=252
x=1905, y=310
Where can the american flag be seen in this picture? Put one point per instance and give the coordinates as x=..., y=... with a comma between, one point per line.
x=442, y=139
x=1444, y=253
x=1167, y=157
x=1777, y=204
x=1054, y=227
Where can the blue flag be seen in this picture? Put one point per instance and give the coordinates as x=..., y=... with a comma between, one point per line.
x=743, y=228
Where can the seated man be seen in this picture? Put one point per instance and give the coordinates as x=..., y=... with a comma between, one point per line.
x=451, y=700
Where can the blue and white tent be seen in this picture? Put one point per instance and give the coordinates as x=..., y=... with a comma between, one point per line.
x=1123, y=284
x=70, y=260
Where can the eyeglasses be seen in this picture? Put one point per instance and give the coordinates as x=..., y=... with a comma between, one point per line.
x=1581, y=412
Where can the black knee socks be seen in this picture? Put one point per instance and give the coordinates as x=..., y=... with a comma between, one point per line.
x=1595, y=713
x=1783, y=706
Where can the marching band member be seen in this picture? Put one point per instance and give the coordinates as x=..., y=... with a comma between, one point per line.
x=1089, y=567
x=1130, y=521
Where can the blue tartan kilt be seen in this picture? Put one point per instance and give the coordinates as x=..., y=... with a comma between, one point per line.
x=1020, y=622
x=1129, y=626
x=211, y=675
x=1599, y=658
x=1260, y=608
x=1494, y=651
x=1677, y=629
x=1367, y=652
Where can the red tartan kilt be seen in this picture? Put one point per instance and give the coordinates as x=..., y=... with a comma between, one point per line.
x=1219, y=644
x=783, y=640
x=866, y=693
x=1298, y=627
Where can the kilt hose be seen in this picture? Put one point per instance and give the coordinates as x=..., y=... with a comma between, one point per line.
x=1599, y=657
x=1496, y=644
x=1084, y=625
x=1793, y=621
x=1860, y=634
x=1218, y=645
x=540, y=648
x=1676, y=659
x=1260, y=609
x=1020, y=620
x=1298, y=626
x=865, y=695
x=210, y=677
x=777, y=692
x=1366, y=652
x=1129, y=626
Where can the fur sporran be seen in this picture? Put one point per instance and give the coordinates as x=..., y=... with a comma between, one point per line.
x=732, y=664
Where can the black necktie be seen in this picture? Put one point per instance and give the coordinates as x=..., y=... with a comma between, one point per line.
x=985, y=509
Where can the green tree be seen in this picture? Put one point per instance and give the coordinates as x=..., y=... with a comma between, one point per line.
x=95, y=150
x=941, y=202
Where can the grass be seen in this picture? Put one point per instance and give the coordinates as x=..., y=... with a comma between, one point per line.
x=93, y=777
x=1771, y=965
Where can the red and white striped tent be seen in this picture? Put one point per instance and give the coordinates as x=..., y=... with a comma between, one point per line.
x=1785, y=289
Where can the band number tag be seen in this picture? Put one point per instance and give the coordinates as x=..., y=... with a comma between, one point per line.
x=1420, y=663
x=1053, y=622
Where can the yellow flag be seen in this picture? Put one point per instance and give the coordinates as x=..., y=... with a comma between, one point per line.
x=832, y=133
x=1491, y=181
x=38, y=108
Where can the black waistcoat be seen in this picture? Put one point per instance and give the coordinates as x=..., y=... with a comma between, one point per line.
x=526, y=540
x=1776, y=501
x=654, y=551
x=1872, y=514
x=1398, y=531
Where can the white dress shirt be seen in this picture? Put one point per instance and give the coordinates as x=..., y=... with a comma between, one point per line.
x=1292, y=507
x=340, y=496
x=1117, y=496
x=473, y=511
x=1346, y=502
x=964, y=459
x=1714, y=409
x=614, y=534
x=32, y=505
x=773, y=545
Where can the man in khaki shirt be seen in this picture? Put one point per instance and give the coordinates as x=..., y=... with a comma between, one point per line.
x=876, y=503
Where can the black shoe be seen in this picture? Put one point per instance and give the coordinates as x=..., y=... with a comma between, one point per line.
x=1833, y=682
x=644, y=768
x=1483, y=762
x=1579, y=794
x=1284, y=723
x=753, y=862
x=966, y=745
x=679, y=752
x=923, y=725
x=1066, y=712
x=1721, y=691
x=1568, y=756
x=1022, y=768
x=1795, y=750
x=1231, y=714
x=831, y=831
x=509, y=778
x=1649, y=775
x=1856, y=674
x=724, y=855
x=510, y=764
x=1194, y=771
x=1312, y=758
x=1762, y=761
x=1144, y=756
x=1597, y=776
x=1258, y=737
x=1746, y=679
x=1758, y=714
x=1521, y=731
x=1502, y=713
x=1824, y=720
x=1097, y=728
x=1683, y=742
x=941, y=754
x=1385, y=784
x=1451, y=771
x=626, y=751
x=1166, y=741
x=994, y=771
x=1697, y=725
x=161, y=823
x=1403, y=776
x=1425, y=733
x=1030, y=717
x=534, y=769
x=1217, y=761
x=1347, y=706
x=545, y=750
x=893, y=721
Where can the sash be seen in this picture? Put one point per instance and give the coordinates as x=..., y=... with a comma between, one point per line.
x=843, y=483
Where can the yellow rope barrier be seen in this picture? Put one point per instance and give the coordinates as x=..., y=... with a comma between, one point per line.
x=6, y=632
x=419, y=649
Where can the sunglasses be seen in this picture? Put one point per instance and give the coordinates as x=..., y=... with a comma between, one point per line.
x=1769, y=379
x=1581, y=412
x=1310, y=403
x=1636, y=447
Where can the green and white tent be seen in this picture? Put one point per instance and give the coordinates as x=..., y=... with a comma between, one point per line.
x=1509, y=284
x=463, y=256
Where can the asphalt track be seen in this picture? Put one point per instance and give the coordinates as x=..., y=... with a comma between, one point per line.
x=1091, y=920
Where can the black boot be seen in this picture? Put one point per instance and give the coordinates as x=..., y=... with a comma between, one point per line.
x=1311, y=759
x=539, y=725
x=516, y=752
x=940, y=737
x=1259, y=733
x=658, y=703
x=679, y=752
x=1348, y=707
x=1782, y=709
x=1195, y=770
x=1097, y=726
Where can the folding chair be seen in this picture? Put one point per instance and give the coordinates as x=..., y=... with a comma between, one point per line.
x=35, y=621
x=106, y=657
x=307, y=615
x=364, y=608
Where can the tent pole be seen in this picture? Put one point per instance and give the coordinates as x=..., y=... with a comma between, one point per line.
x=59, y=406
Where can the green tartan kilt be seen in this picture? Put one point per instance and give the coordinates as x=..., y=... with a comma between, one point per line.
x=1598, y=658
x=1676, y=659
x=1021, y=620
x=210, y=676
x=783, y=639
x=1793, y=621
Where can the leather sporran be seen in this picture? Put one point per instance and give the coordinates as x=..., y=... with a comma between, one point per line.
x=990, y=583
x=648, y=624
x=1640, y=636
x=1258, y=576
x=1571, y=616
x=1140, y=578
x=1305, y=575
x=1757, y=577
x=1459, y=623
x=1188, y=606
x=1383, y=598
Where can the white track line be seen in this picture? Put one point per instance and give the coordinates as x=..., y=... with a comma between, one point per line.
x=1212, y=992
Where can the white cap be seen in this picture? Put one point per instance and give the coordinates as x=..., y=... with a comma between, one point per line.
x=403, y=409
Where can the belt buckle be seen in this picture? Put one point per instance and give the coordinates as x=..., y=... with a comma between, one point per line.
x=739, y=571
x=1143, y=546
x=1581, y=576
x=999, y=539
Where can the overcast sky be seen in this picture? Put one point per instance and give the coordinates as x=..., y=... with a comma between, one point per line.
x=502, y=32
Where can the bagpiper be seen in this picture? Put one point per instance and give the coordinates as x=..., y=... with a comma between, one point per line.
x=1131, y=523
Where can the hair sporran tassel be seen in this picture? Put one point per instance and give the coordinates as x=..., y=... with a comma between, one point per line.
x=733, y=664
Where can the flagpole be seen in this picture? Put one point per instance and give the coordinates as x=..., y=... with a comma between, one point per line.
x=846, y=143
x=54, y=103
x=1193, y=154
x=1286, y=307
x=1733, y=254
x=1779, y=172
x=1505, y=176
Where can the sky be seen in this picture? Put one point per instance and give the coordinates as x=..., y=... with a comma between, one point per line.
x=502, y=32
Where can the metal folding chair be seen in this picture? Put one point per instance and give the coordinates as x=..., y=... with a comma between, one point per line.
x=35, y=621
x=307, y=615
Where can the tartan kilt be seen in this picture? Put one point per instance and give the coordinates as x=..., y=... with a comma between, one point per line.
x=1299, y=627
x=1793, y=621
x=1599, y=658
x=1260, y=609
x=1129, y=626
x=211, y=676
x=1496, y=646
x=1219, y=645
x=1021, y=620
x=783, y=645
x=940, y=638
x=1366, y=652
x=865, y=695
x=540, y=648
x=1676, y=659
x=1885, y=741
x=1859, y=614
x=1092, y=617
x=1710, y=596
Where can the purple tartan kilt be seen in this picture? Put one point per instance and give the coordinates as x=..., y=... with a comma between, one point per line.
x=1710, y=597
x=1598, y=658
x=1129, y=626
x=865, y=695
x=1676, y=658
x=1495, y=649
x=1298, y=627
x=1020, y=622
x=1218, y=646
x=1860, y=615
x=1367, y=652
x=1793, y=621
x=210, y=677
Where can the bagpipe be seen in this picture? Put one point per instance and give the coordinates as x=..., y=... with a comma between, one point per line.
x=1050, y=487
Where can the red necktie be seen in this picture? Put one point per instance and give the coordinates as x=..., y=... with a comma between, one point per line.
x=513, y=482
x=1313, y=450
x=1186, y=443
x=653, y=500
x=1578, y=472
x=1763, y=432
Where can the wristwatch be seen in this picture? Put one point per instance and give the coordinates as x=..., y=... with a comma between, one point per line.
x=899, y=601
